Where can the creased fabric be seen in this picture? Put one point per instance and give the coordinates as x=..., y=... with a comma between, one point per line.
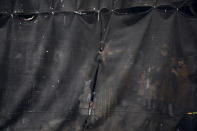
x=97, y=65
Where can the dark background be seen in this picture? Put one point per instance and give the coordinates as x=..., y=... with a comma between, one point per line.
x=134, y=59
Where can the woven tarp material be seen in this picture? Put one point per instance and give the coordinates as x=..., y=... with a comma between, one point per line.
x=98, y=65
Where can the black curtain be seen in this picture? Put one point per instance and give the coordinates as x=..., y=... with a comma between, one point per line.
x=100, y=65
